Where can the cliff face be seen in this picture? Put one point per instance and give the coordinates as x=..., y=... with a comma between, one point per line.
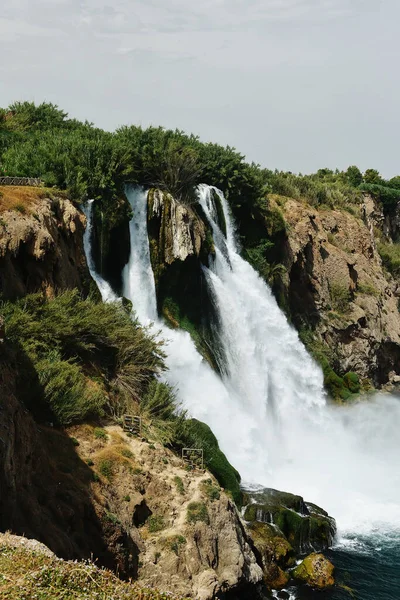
x=180, y=243
x=335, y=283
x=45, y=489
x=41, y=247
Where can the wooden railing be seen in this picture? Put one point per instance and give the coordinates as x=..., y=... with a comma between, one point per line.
x=20, y=181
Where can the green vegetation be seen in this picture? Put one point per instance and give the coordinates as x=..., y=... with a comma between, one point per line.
x=100, y=433
x=25, y=574
x=106, y=468
x=339, y=388
x=179, y=485
x=79, y=358
x=156, y=523
x=390, y=255
x=176, y=543
x=210, y=490
x=340, y=296
x=197, y=511
x=158, y=412
x=195, y=434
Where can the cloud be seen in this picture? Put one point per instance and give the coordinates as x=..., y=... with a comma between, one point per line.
x=296, y=84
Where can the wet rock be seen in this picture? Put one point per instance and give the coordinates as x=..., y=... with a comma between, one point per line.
x=304, y=525
x=316, y=571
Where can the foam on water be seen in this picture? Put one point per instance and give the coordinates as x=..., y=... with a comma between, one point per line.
x=268, y=409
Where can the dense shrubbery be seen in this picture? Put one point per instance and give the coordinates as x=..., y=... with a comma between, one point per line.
x=79, y=359
x=89, y=358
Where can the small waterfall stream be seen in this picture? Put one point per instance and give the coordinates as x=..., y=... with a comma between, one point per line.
x=268, y=410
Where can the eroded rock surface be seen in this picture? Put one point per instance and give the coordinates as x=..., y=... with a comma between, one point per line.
x=41, y=249
x=335, y=283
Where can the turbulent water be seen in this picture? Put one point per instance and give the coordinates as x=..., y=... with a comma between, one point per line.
x=268, y=409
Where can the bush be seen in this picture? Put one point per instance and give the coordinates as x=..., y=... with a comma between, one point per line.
x=100, y=433
x=352, y=381
x=88, y=357
x=106, y=468
x=197, y=511
x=390, y=255
x=176, y=543
x=195, y=434
x=156, y=523
x=211, y=491
x=340, y=296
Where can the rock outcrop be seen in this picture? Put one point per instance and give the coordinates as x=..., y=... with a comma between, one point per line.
x=336, y=285
x=305, y=526
x=41, y=248
x=190, y=537
x=316, y=571
x=180, y=243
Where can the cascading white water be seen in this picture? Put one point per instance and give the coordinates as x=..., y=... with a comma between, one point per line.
x=345, y=459
x=105, y=289
x=268, y=410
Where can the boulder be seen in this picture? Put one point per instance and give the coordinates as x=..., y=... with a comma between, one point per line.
x=316, y=571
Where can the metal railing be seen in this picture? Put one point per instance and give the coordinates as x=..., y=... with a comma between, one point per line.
x=34, y=181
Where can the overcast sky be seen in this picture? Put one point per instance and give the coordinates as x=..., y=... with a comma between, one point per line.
x=293, y=84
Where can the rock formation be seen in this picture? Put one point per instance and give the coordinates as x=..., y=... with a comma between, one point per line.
x=335, y=284
x=41, y=248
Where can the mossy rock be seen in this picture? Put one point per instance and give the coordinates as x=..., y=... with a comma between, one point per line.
x=272, y=545
x=315, y=571
x=198, y=435
x=305, y=526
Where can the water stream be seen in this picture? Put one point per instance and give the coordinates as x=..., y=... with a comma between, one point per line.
x=268, y=409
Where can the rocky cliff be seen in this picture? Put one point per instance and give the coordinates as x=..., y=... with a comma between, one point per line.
x=180, y=243
x=41, y=246
x=335, y=285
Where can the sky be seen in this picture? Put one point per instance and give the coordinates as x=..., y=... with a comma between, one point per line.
x=292, y=84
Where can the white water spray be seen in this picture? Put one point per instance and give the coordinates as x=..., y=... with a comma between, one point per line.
x=268, y=410
x=105, y=289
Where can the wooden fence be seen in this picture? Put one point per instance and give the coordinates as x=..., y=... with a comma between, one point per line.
x=20, y=181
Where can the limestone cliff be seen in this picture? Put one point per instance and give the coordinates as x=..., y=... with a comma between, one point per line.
x=335, y=284
x=41, y=246
x=180, y=243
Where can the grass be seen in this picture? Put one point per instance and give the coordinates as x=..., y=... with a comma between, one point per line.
x=197, y=511
x=210, y=490
x=176, y=543
x=88, y=358
x=368, y=289
x=100, y=433
x=21, y=198
x=27, y=575
x=179, y=485
x=340, y=296
x=106, y=468
x=156, y=523
x=390, y=255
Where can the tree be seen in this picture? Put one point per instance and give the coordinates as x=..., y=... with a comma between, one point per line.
x=373, y=176
x=354, y=176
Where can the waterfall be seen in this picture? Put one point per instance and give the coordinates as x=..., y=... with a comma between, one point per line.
x=105, y=289
x=268, y=409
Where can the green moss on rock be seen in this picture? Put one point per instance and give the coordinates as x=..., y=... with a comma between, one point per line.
x=196, y=434
x=316, y=571
x=304, y=525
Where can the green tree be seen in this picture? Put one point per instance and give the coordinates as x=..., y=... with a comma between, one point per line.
x=354, y=176
x=372, y=176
